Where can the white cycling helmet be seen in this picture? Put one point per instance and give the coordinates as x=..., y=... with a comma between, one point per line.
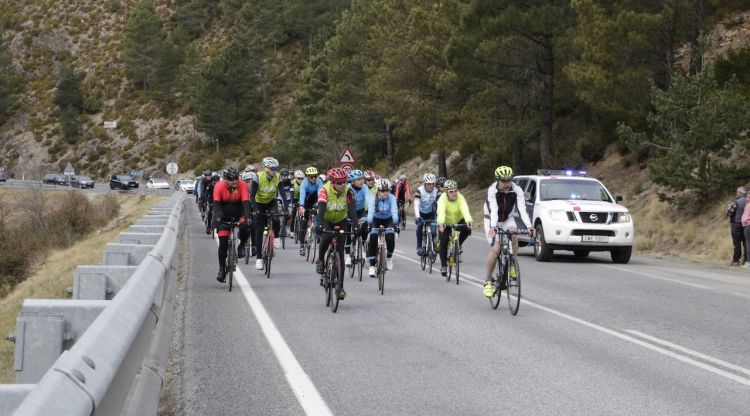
x=429, y=178
x=249, y=176
x=383, y=185
x=269, y=162
x=299, y=174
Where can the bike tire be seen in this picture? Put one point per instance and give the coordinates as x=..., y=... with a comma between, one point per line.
x=457, y=261
x=314, y=247
x=495, y=299
x=335, y=272
x=327, y=289
x=247, y=252
x=353, y=258
x=282, y=233
x=381, y=270
x=231, y=265
x=361, y=264
x=514, y=286
x=308, y=243
x=433, y=253
x=269, y=254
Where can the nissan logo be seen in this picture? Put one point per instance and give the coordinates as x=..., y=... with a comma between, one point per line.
x=593, y=217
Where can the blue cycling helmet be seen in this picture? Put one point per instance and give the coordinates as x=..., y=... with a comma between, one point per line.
x=355, y=174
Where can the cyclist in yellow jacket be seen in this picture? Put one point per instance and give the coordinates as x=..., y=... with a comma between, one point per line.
x=452, y=209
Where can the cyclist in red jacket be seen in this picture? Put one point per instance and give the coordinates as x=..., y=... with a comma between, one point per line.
x=231, y=204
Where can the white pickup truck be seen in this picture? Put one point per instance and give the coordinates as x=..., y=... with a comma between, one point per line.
x=576, y=213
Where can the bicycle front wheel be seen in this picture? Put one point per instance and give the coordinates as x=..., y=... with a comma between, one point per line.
x=327, y=286
x=247, y=251
x=457, y=259
x=231, y=264
x=382, y=259
x=269, y=255
x=495, y=299
x=334, y=276
x=514, y=285
x=282, y=233
x=353, y=257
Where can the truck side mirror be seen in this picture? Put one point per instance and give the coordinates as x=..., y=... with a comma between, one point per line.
x=618, y=198
x=527, y=195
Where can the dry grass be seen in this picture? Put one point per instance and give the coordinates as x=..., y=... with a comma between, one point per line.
x=53, y=277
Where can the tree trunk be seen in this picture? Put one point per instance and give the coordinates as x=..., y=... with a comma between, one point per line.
x=389, y=146
x=547, y=69
x=442, y=167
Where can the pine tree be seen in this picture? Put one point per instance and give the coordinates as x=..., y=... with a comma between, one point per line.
x=144, y=42
x=68, y=94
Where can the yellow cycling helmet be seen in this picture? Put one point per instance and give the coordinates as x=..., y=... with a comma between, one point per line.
x=312, y=170
x=503, y=172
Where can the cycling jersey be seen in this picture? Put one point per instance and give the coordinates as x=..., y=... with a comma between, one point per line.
x=337, y=204
x=501, y=205
x=231, y=204
x=295, y=190
x=452, y=212
x=268, y=188
x=426, y=201
x=308, y=188
x=362, y=197
x=402, y=191
x=383, y=209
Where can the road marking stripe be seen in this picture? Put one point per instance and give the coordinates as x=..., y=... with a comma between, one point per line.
x=304, y=389
x=741, y=295
x=689, y=351
x=653, y=276
x=742, y=380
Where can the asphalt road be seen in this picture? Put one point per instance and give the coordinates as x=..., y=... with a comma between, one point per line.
x=653, y=337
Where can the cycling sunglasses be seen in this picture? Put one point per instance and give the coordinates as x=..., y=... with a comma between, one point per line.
x=339, y=182
x=273, y=168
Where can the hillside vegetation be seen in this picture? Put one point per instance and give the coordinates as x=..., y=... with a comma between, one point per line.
x=526, y=83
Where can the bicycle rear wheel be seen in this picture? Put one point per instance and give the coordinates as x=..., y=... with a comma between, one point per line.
x=381, y=269
x=353, y=257
x=308, y=243
x=247, y=252
x=282, y=233
x=514, y=285
x=314, y=247
x=334, y=283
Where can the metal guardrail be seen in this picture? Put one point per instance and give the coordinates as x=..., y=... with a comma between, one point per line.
x=91, y=355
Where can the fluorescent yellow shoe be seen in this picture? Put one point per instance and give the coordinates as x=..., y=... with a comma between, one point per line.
x=513, y=273
x=489, y=289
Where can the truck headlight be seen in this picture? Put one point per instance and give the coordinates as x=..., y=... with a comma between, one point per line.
x=623, y=217
x=558, y=215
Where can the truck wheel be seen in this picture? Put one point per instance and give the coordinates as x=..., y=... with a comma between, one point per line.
x=542, y=252
x=621, y=255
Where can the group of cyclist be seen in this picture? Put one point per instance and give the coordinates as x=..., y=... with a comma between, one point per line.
x=356, y=202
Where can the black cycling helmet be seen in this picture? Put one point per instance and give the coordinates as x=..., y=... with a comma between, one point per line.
x=440, y=181
x=206, y=173
x=284, y=172
x=231, y=174
x=215, y=177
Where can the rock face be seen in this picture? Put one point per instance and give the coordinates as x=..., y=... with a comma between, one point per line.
x=730, y=34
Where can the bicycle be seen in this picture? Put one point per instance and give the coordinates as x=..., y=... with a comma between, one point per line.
x=311, y=240
x=231, y=263
x=454, y=250
x=402, y=214
x=267, y=247
x=382, y=257
x=282, y=228
x=428, y=255
x=357, y=255
x=508, y=273
x=207, y=217
x=333, y=276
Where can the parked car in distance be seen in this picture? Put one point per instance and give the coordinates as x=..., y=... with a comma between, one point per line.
x=124, y=182
x=3, y=178
x=157, y=183
x=55, y=179
x=186, y=185
x=81, y=181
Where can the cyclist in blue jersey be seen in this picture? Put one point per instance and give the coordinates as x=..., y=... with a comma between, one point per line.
x=383, y=210
x=308, y=197
x=362, y=200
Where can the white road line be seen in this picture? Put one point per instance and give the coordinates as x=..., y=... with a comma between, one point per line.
x=741, y=295
x=304, y=389
x=742, y=380
x=690, y=352
x=653, y=276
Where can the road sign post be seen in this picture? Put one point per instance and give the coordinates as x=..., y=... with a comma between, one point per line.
x=172, y=169
x=347, y=159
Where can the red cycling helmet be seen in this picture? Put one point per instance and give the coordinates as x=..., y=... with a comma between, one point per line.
x=369, y=174
x=337, y=175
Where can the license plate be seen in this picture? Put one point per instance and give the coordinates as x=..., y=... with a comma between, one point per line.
x=595, y=238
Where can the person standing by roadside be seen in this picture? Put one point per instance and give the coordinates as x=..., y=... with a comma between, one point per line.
x=735, y=213
x=746, y=229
